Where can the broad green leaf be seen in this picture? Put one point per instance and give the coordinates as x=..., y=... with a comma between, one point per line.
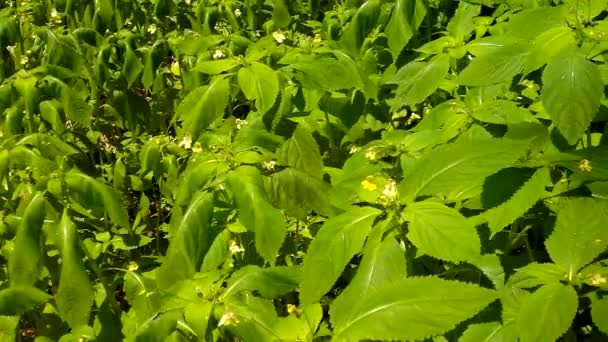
x=484, y=332
x=260, y=83
x=572, y=90
x=96, y=196
x=499, y=66
x=190, y=243
x=203, y=106
x=461, y=24
x=454, y=169
x=142, y=295
x=25, y=262
x=75, y=294
x=442, y=232
x=256, y=316
x=269, y=282
x=159, y=327
x=383, y=262
x=361, y=25
x=198, y=314
x=256, y=212
x=52, y=146
x=8, y=328
x=150, y=158
x=598, y=189
x=217, y=253
x=547, y=313
x=338, y=240
x=17, y=300
x=578, y=236
x=302, y=152
x=529, y=24
x=535, y=274
x=521, y=201
x=132, y=66
x=197, y=174
x=548, y=45
x=280, y=14
x=405, y=19
x=599, y=314
x=431, y=306
x=324, y=73
x=418, y=80
x=595, y=274
x=502, y=112
x=216, y=66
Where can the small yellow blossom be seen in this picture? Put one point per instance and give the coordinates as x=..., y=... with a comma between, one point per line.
x=369, y=183
x=23, y=60
x=218, y=54
x=317, y=39
x=292, y=309
x=585, y=165
x=597, y=279
x=228, y=318
x=371, y=155
x=235, y=247
x=354, y=149
x=197, y=147
x=241, y=123
x=269, y=165
x=152, y=29
x=237, y=13
x=133, y=266
x=175, y=68
x=186, y=142
x=279, y=36
x=54, y=13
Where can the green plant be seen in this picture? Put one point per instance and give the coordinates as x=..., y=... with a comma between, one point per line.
x=222, y=170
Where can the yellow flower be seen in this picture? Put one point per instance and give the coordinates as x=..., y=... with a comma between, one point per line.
x=175, y=68
x=152, y=29
x=585, y=165
x=218, y=54
x=132, y=266
x=292, y=309
x=371, y=155
x=279, y=36
x=390, y=191
x=269, y=165
x=186, y=142
x=369, y=183
x=228, y=318
x=235, y=247
x=597, y=279
x=197, y=147
x=241, y=123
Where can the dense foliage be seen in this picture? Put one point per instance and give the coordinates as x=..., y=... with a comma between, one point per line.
x=223, y=170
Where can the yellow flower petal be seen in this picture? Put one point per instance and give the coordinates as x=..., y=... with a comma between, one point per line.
x=369, y=183
x=197, y=147
x=585, y=165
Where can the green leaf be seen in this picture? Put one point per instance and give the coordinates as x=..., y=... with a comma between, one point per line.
x=499, y=66
x=431, y=306
x=548, y=45
x=361, y=25
x=502, y=112
x=159, y=327
x=578, y=236
x=529, y=24
x=458, y=170
x=405, y=19
x=418, y=80
x=132, y=66
x=203, y=106
x=25, y=262
x=485, y=332
x=256, y=212
x=324, y=73
x=75, y=294
x=547, y=313
x=280, y=14
x=94, y=195
x=216, y=66
x=150, y=159
x=17, y=300
x=257, y=317
x=190, y=243
x=599, y=314
x=461, y=24
x=383, y=262
x=442, y=232
x=535, y=274
x=269, y=282
x=302, y=152
x=521, y=201
x=8, y=328
x=572, y=90
x=338, y=240
x=260, y=83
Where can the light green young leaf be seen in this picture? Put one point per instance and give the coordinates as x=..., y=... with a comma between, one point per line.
x=535, y=274
x=260, y=83
x=418, y=80
x=96, y=196
x=338, y=240
x=455, y=169
x=132, y=66
x=203, y=106
x=159, y=327
x=484, y=332
x=8, y=328
x=442, y=232
x=461, y=23
x=189, y=245
x=216, y=66
x=324, y=73
x=361, y=25
x=572, y=90
x=75, y=294
x=406, y=18
x=599, y=314
x=499, y=66
x=521, y=201
x=25, y=262
x=302, y=152
x=269, y=282
x=256, y=212
x=529, y=24
x=431, y=306
x=579, y=235
x=547, y=313
x=548, y=45
x=17, y=300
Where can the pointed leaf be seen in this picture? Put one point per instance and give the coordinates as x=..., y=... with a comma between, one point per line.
x=269, y=282
x=17, y=300
x=599, y=314
x=302, y=152
x=579, y=235
x=216, y=66
x=431, y=306
x=260, y=83
x=442, y=232
x=572, y=90
x=461, y=23
x=499, y=66
x=75, y=294
x=256, y=212
x=405, y=19
x=24, y=263
x=485, y=332
x=203, y=106
x=418, y=80
x=547, y=313
x=338, y=240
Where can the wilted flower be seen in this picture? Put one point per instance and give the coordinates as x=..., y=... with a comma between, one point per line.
x=152, y=29
x=369, y=183
x=237, y=13
x=279, y=36
x=228, y=318
x=235, y=247
x=197, y=147
x=219, y=53
x=585, y=165
x=186, y=142
x=269, y=165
